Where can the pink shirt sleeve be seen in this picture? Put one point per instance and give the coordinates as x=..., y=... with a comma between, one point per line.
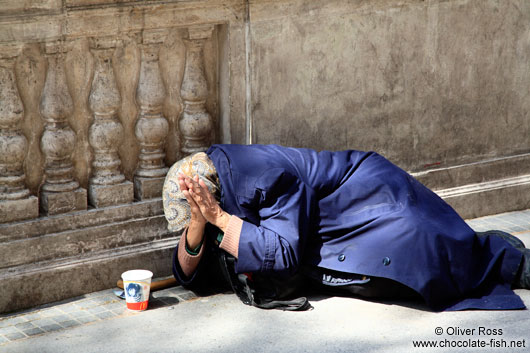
x=188, y=263
x=230, y=243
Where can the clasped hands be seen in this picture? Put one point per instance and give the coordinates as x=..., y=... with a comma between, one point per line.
x=204, y=206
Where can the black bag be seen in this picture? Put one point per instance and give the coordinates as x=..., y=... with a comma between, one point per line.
x=262, y=291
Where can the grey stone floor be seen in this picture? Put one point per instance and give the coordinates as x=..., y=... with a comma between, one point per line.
x=78, y=311
x=100, y=308
x=516, y=223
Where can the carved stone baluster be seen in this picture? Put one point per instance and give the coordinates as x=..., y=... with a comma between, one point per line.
x=195, y=122
x=16, y=203
x=107, y=185
x=60, y=192
x=151, y=127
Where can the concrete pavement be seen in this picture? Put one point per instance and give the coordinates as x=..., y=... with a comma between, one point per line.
x=177, y=321
x=221, y=323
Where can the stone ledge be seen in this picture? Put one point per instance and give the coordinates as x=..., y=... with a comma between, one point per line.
x=44, y=282
x=486, y=186
x=82, y=241
x=34, y=7
x=17, y=210
x=79, y=20
x=109, y=195
x=77, y=220
x=482, y=199
x=478, y=172
x=148, y=188
x=53, y=203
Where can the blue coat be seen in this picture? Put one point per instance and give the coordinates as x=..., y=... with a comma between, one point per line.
x=356, y=212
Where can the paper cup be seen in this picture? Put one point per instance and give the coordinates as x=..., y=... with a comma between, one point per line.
x=136, y=284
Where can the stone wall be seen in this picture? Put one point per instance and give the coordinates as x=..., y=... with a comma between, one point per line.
x=99, y=97
x=438, y=87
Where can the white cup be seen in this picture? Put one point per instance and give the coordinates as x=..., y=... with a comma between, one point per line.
x=137, y=284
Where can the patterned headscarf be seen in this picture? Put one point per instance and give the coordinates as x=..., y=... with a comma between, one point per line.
x=176, y=207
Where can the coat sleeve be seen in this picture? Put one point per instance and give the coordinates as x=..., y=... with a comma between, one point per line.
x=276, y=244
x=207, y=277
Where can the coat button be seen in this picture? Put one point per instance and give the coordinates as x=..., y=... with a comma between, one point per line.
x=342, y=257
x=386, y=261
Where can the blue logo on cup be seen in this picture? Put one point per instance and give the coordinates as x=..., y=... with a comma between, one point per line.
x=134, y=292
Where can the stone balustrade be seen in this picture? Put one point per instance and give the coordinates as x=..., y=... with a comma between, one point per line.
x=107, y=184
x=195, y=122
x=69, y=67
x=98, y=98
x=15, y=197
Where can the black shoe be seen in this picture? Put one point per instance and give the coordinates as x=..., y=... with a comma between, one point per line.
x=524, y=271
x=514, y=241
x=523, y=274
